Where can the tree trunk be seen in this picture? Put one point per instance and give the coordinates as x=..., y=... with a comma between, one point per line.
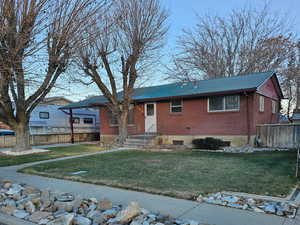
x=22, y=137
x=123, y=121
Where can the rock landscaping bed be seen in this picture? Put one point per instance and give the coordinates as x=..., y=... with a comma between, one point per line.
x=250, y=149
x=48, y=208
x=283, y=208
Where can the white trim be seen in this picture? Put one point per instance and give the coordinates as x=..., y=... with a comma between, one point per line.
x=181, y=105
x=261, y=102
x=152, y=120
x=274, y=107
x=224, y=105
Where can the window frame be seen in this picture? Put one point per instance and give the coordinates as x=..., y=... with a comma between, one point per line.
x=177, y=106
x=261, y=104
x=274, y=107
x=88, y=118
x=224, y=104
x=111, y=115
x=75, y=118
x=44, y=118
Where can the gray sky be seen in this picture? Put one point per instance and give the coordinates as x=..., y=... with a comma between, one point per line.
x=183, y=15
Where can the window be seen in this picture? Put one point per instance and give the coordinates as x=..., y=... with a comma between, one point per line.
x=224, y=103
x=76, y=120
x=274, y=107
x=114, y=119
x=131, y=114
x=261, y=103
x=176, y=106
x=150, y=109
x=88, y=120
x=44, y=115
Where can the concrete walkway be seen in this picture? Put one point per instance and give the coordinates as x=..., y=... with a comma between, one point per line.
x=178, y=208
x=54, y=145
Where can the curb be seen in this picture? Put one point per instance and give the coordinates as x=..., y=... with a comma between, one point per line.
x=11, y=220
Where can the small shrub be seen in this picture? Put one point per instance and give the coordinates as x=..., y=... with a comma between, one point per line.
x=209, y=143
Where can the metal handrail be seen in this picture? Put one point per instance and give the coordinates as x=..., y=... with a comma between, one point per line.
x=146, y=131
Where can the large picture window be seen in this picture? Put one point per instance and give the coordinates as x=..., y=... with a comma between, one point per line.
x=224, y=103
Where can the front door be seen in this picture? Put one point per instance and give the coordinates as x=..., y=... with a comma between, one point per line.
x=150, y=117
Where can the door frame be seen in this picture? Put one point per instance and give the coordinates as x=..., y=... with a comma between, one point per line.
x=154, y=118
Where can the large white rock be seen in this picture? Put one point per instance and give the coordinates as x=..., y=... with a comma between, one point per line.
x=81, y=220
x=66, y=219
x=126, y=215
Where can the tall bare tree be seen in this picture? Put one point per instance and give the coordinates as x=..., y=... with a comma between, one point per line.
x=247, y=40
x=291, y=83
x=35, y=33
x=117, y=47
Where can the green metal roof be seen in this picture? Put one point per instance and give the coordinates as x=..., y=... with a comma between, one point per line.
x=194, y=88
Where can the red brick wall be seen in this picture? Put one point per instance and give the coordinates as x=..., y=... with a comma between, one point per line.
x=138, y=127
x=196, y=120
x=270, y=92
x=269, y=89
x=266, y=116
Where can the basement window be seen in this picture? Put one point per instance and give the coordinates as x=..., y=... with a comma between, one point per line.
x=176, y=106
x=224, y=103
x=178, y=142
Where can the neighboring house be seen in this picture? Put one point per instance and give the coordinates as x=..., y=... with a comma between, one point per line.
x=47, y=118
x=57, y=100
x=226, y=108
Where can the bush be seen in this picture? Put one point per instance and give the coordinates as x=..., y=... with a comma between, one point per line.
x=209, y=143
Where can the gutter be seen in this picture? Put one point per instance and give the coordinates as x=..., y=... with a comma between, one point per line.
x=101, y=104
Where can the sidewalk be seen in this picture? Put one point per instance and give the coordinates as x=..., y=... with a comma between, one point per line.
x=53, y=145
x=178, y=208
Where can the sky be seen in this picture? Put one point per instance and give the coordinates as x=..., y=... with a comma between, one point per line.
x=183, y=15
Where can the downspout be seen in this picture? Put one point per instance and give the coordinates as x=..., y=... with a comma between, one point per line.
x=71, y=125
x=248, y=119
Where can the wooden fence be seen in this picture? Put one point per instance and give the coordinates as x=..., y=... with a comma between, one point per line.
x=46, y=139
x=279, y=135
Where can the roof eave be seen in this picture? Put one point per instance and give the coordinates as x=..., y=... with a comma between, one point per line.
x=197, y=95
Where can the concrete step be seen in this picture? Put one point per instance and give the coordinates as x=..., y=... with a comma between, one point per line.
x=137, y=142
x=142, y=136
x=140, y=140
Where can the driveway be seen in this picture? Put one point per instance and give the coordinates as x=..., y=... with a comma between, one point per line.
x=178, y=208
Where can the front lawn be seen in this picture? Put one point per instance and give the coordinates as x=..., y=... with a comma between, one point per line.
x=56, y=152
x=181, y=174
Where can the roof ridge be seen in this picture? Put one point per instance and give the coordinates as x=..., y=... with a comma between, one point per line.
x=216, y=78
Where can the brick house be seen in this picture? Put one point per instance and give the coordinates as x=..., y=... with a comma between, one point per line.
x=226, y=108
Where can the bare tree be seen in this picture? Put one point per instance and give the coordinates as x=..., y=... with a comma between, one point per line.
x=245, y=41
x=291, y=82
x=123, y=40
x=35, y=33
